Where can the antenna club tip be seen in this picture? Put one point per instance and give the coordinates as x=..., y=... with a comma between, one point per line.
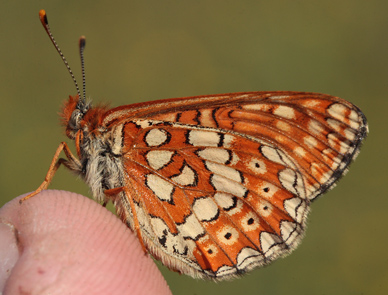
x=43, y=17
x=82, y=41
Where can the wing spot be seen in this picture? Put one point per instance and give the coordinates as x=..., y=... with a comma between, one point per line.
x=217, y=155
x=296, y=208
x=264, y=208
x=247, y=258
x=336, y=143
x=338, y=111
x=228, y=140
x=250, y=222
x=224, y=171
x=257, y=107
x=237, y=209
x=191, y=228
x=285, y=112
x=283, y=126
x=228, y=235
x=268, y=241
x=161, y=188
x=300, y=151
x=205, y=209
x=257, y=166
x=156, y=137
x=315, y=127
x=226, y=185
x=267, y=189
x=292, y=181
x=203, y=138
x=159, y=159
x=187, y=177
x=310, y=141
x=225, y=201
x=334, y=124
x=275, y=155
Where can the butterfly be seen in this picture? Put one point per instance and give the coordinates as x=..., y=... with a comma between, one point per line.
x=215, y=185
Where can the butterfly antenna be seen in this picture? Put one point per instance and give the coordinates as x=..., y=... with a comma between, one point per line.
x=43, y=20
x=82, y=43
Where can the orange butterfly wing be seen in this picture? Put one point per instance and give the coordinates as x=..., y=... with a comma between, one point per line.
x=222, y=184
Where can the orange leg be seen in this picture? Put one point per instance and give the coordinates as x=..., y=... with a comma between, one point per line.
x=55, y=163
x=113, y=193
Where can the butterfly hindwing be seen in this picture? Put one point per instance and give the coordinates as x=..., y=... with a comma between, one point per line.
x=221, y=190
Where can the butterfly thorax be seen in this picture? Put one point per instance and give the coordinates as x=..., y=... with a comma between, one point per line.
x=100, y=162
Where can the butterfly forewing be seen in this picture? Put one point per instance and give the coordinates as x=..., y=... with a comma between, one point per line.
x=222, y=184
x=320, y=132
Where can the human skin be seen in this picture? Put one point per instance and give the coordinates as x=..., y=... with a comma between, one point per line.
x=63, y=243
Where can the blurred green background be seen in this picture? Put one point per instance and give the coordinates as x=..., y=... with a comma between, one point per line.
x=145, y=50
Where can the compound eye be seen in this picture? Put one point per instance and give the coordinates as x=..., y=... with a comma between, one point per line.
x=75, y=119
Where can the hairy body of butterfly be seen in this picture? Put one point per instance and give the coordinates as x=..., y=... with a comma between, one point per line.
x=215, y=186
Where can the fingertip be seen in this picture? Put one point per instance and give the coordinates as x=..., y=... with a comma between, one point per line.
x=68, y=242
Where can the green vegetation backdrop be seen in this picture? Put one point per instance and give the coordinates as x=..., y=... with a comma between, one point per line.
x=145, y=50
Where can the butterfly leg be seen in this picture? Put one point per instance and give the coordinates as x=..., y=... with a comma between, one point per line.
x=72, y=163
x=112, y=193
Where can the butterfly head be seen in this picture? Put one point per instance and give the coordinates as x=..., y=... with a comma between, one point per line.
x=78, y=115
x=73, y=113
